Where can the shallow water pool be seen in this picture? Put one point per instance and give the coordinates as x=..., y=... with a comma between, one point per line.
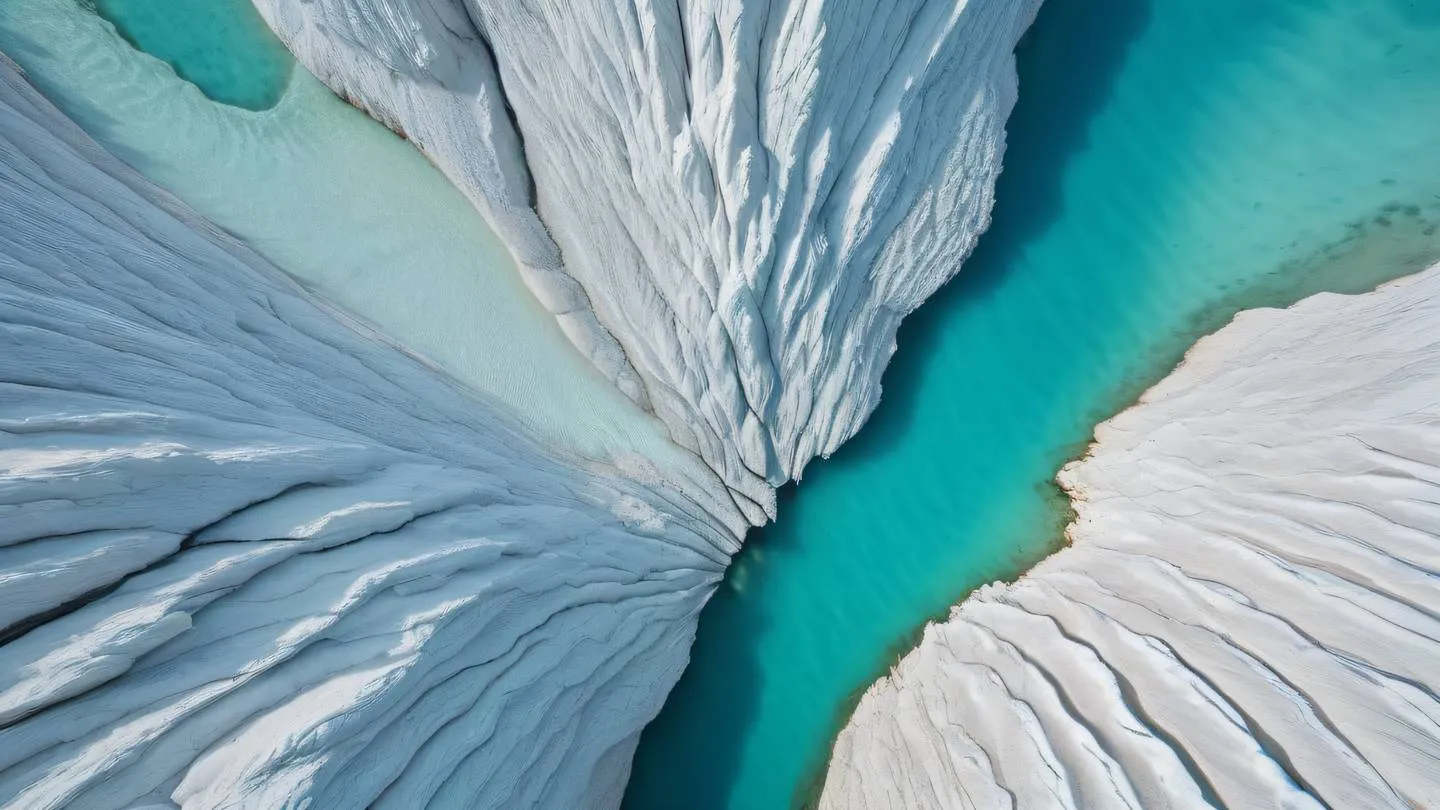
x=222, y=46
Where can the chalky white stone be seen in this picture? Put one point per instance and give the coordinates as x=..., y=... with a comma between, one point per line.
x=251, y=557
x=730, y=205
x=1247, y=609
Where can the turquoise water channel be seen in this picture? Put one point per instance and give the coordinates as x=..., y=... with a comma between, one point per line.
x=1169, y=161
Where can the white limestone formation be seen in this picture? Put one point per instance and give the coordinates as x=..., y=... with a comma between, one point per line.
x=1247, y=612
x=252, y=557
x=252, y=554
x=731, y=205
x=353, y=214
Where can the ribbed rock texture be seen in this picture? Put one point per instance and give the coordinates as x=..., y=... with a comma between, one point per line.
x=1246, y=615
x=252, y=557
x=737, y=202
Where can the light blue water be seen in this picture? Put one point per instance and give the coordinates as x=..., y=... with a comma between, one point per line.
x=1169, y=161
x=221, y=46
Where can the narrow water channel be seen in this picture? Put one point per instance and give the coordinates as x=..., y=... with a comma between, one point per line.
x=1169, y=162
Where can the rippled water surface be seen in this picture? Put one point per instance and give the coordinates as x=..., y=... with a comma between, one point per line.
x=1169, y=161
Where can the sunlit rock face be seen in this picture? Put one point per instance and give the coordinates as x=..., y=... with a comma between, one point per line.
x=1246, y=615
x=252, y=554
x=730, y=205
x=252, y=557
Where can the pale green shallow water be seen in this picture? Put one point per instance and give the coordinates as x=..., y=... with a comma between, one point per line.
x=329, y=195
x=1169, y=159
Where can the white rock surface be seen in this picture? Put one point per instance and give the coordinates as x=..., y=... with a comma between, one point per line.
x=395, y=243
x=421, y=68
x=250, y=557
x=750, y=195
x=1247, y=613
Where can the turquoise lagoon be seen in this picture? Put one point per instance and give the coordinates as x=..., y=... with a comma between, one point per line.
x=1169, y=161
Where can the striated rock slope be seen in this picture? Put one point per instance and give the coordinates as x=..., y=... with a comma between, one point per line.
x=1247, y=612
x=730, y=205
x=251, y=557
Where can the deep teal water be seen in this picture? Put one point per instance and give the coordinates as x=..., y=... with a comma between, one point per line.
x=1169, y=161
x=221, y=46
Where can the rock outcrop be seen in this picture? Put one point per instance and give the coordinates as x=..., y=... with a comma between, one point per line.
x=1246, y=615
x=730, y=205
x=251, y=557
